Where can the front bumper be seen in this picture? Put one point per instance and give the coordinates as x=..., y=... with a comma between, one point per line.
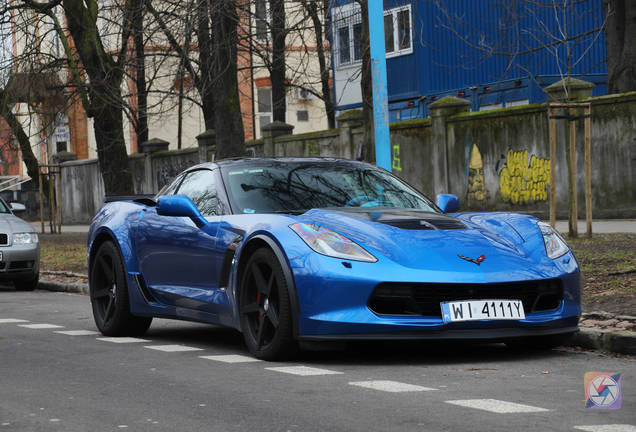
x=332, y=302
x=19, y=261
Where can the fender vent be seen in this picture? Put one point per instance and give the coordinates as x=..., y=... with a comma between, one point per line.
x=143, y=289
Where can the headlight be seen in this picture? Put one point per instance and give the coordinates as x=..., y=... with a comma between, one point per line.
x=330, y=243
x=25, y=238
x=555, y=246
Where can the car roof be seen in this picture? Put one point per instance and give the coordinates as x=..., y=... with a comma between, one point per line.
x=247, y=160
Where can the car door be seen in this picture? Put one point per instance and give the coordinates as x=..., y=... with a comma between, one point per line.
x=177, y=260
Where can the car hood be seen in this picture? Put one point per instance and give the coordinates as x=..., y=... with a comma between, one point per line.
x=426, y=240
x=12, y=224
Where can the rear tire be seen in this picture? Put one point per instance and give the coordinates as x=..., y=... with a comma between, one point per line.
x=265, y=308
x=538, y=343
x=27, y=284
x=109, y=295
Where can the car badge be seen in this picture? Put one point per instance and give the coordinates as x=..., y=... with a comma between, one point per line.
x=477, y=261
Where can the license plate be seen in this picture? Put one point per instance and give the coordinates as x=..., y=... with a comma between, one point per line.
x=475, y=310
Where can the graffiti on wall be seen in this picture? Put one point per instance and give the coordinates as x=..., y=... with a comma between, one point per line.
x=523, y=182
x=396, y=158
x=476, y=182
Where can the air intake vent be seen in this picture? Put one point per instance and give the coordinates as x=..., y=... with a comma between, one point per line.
x=425, y=224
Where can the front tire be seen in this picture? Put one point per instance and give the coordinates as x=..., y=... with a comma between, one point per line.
x=265, y=308
x=109, y=295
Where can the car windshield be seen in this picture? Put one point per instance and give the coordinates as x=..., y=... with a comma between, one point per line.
x=4, y=208
x=295, y=187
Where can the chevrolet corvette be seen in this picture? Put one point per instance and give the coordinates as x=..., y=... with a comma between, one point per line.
x=290, y=250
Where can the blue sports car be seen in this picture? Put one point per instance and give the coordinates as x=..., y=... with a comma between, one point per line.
x=298, y=250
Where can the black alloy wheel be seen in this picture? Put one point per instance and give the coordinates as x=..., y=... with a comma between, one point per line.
x=265, y=309
x=109, y=295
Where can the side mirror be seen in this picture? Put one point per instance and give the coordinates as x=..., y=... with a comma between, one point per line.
x=182, y=206
x=448, y=203
x=17, y=207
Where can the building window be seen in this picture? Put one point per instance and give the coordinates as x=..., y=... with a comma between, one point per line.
x=264, y=95
x=398, y=31
x=261, y=19
x=302, y=115
x=348, y=33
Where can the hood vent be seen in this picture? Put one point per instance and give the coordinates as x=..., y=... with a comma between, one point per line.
x=425, y=224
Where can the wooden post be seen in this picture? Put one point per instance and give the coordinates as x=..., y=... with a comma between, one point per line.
x=41, y=198
x=58, y=198
x=552, y=168
x=588, y=170
x=51, y=203
x=574, y=214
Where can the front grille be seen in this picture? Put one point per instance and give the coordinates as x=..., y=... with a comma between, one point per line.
x=425, y=298
x=4, y=239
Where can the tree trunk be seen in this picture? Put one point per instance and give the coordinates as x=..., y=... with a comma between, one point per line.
x=206, y=56
x=28, y=157
x=277, y=73
x=104, y=87
x=312, y=9
x=620, y=42
x=366, y=83
x=230, y=139
x=141, y=124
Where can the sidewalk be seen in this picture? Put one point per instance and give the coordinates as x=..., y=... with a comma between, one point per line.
x=600, y=226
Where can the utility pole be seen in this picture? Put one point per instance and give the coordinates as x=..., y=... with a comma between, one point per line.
x=378, y=75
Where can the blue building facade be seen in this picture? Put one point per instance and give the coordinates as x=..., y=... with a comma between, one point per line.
x=492, y=53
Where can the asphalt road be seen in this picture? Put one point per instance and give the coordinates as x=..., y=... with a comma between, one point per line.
x=53, y=381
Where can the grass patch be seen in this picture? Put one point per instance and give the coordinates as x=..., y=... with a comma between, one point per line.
x=66, y=252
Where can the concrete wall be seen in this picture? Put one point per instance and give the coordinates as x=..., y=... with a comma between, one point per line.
x=494, y=160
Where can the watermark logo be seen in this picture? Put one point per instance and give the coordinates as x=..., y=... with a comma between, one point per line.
x=603, y=390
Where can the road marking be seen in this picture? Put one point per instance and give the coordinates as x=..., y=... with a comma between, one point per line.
x=172, y=348
x=122, y=339
x=390, y=386
x=607, y=428
x=496, y=406
x=40, y=326
x=303, y=370
x=77, y=332
x=11, y=321
x=231, y=358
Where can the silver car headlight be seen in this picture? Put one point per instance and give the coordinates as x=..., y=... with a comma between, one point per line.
x=25, y=238
x=330, y=243
x=555, y=245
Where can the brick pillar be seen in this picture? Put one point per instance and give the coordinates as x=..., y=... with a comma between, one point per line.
x=272, y=131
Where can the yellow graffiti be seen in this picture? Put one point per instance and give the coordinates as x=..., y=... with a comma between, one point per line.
x=520, y=183
x=396, y=158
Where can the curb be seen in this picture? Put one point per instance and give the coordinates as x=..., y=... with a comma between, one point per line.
x=76, y=288
x=622, y=342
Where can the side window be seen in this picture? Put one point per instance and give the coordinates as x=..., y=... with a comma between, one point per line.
x=169, y=188
x=200, y=187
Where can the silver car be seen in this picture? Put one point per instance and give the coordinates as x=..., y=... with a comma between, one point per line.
x=19, y=250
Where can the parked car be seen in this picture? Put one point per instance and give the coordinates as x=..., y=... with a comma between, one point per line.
x=288, y=250
x=19, y=249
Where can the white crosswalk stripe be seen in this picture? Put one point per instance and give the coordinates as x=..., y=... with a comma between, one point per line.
x=172, y=348
x=607, y=428
x=496, y=406
x=122, y=340
x=390, y=386
x=231, y=358
x=77, y=332
x=303, y=370
x=12, y=320
x=40, y=326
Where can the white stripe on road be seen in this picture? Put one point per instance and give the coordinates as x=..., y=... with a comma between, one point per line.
x=231, y=358
x=496, y=406
x=11, y=321
x=40, y=326
x=122, y=339
x=607, y=428
x=172, y=348
x=77, y=332
x=303, y=370
x=390, y=386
